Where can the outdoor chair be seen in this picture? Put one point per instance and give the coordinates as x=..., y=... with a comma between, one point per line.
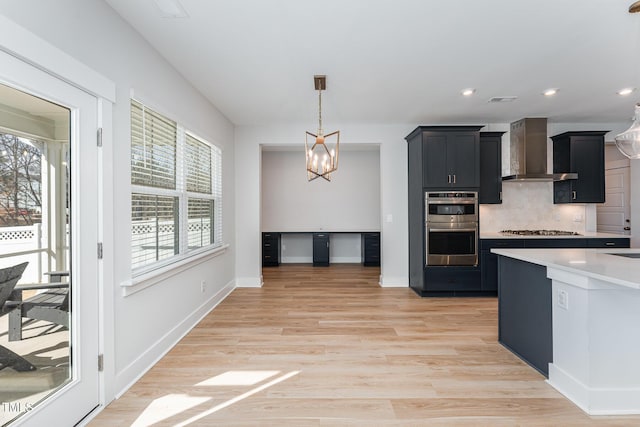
x=8, y=279
x=51, y=305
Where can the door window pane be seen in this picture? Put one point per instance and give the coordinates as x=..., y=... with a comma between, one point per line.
x=34, y=235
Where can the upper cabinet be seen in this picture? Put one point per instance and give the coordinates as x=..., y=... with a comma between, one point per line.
x=581, y=153
x=490, y=168
x=450, y=155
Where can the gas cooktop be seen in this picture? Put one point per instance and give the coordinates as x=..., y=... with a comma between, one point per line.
x=540, y=233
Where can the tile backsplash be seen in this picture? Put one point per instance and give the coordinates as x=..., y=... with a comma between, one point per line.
x=529, y=205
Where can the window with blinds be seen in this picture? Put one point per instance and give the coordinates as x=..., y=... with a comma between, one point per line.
x=153, y=148
x=176, y=200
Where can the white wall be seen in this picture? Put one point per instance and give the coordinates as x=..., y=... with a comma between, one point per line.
x=350, y=202
x=393, y=192
x=143, y=325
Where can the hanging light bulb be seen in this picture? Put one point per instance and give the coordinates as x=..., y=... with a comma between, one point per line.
x=329, y=162
x=628, y=142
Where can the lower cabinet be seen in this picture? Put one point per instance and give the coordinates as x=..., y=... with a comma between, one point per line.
x=619, y=242
x=445, y=281
x=370, y=249
x=525, y=305
x=321, y=249
x=270, y=249
x=489, y=261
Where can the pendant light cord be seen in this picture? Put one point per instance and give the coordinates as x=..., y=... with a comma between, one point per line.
x=320, y=111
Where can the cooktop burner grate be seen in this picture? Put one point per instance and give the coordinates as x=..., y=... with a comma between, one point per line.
x=540, y=232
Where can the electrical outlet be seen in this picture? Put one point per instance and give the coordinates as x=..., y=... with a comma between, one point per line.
x=563, y=299
x=203, y=286
x=577, y=218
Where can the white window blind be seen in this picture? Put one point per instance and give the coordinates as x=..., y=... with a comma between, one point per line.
x=153, y=148
x=176, y=200
x=197, y=160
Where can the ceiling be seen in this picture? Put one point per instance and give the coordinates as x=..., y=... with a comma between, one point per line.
x=402, y=61
x=24, y=102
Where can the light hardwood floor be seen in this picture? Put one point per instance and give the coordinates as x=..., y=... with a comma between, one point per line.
x=329, y=347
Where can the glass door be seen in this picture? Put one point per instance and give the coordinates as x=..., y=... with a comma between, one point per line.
x=49, y=224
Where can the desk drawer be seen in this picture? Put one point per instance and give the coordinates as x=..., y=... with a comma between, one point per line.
x=270, y=249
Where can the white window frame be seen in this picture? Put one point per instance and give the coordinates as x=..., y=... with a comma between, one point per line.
x=153, y=272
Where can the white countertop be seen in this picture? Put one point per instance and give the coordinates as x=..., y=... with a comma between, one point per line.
x=595, y=263
x=587, y=235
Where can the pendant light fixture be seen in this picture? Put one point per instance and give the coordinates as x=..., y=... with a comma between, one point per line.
x=321, y=161
x=628, y=142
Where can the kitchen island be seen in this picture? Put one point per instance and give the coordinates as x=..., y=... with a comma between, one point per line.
x=594, y=299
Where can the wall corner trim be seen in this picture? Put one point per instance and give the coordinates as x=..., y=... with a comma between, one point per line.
x=394, y=282
x=248, y=282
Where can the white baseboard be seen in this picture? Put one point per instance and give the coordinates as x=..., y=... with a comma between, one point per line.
x=595, y=401
x=136, y=369
x=248, y=282
x=345, y=260
x=296, y=260
x=394, y=282
x=309, y=260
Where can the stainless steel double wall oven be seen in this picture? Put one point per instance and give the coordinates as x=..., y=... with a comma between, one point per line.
x=451, y=228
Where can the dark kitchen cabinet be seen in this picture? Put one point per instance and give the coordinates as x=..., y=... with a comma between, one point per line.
x=370, y=249
x=270, y=249
x=439, y=157
x=490, y=168
x=525, y=324
x=450, y=156
x=616, y=242
x=489, y=261
x=581, y=153
x=556, y=243
x=320, y=249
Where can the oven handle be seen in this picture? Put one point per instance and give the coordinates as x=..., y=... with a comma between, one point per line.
x=451, y=202
x=441, y=230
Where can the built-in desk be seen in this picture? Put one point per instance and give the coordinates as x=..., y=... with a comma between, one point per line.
x=272, y=241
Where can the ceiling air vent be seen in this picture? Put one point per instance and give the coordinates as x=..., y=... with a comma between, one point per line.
x=502, y=99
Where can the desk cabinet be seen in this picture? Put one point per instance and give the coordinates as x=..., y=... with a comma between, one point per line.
x=370, y=249
x=270, y=249
x=320, y=249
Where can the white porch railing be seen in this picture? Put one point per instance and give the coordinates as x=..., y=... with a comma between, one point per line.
x=20, y=244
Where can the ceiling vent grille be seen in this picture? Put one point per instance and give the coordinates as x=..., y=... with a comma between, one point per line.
x=502, y=99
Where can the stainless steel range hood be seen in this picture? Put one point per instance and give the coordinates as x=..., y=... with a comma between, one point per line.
x=528, y=149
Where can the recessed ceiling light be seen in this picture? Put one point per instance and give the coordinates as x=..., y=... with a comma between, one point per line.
x=171, y=8
x=550, y=92
x=468, y=91
x=626, y=91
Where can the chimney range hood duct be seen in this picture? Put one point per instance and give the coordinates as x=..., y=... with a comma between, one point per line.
x=528, y=149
